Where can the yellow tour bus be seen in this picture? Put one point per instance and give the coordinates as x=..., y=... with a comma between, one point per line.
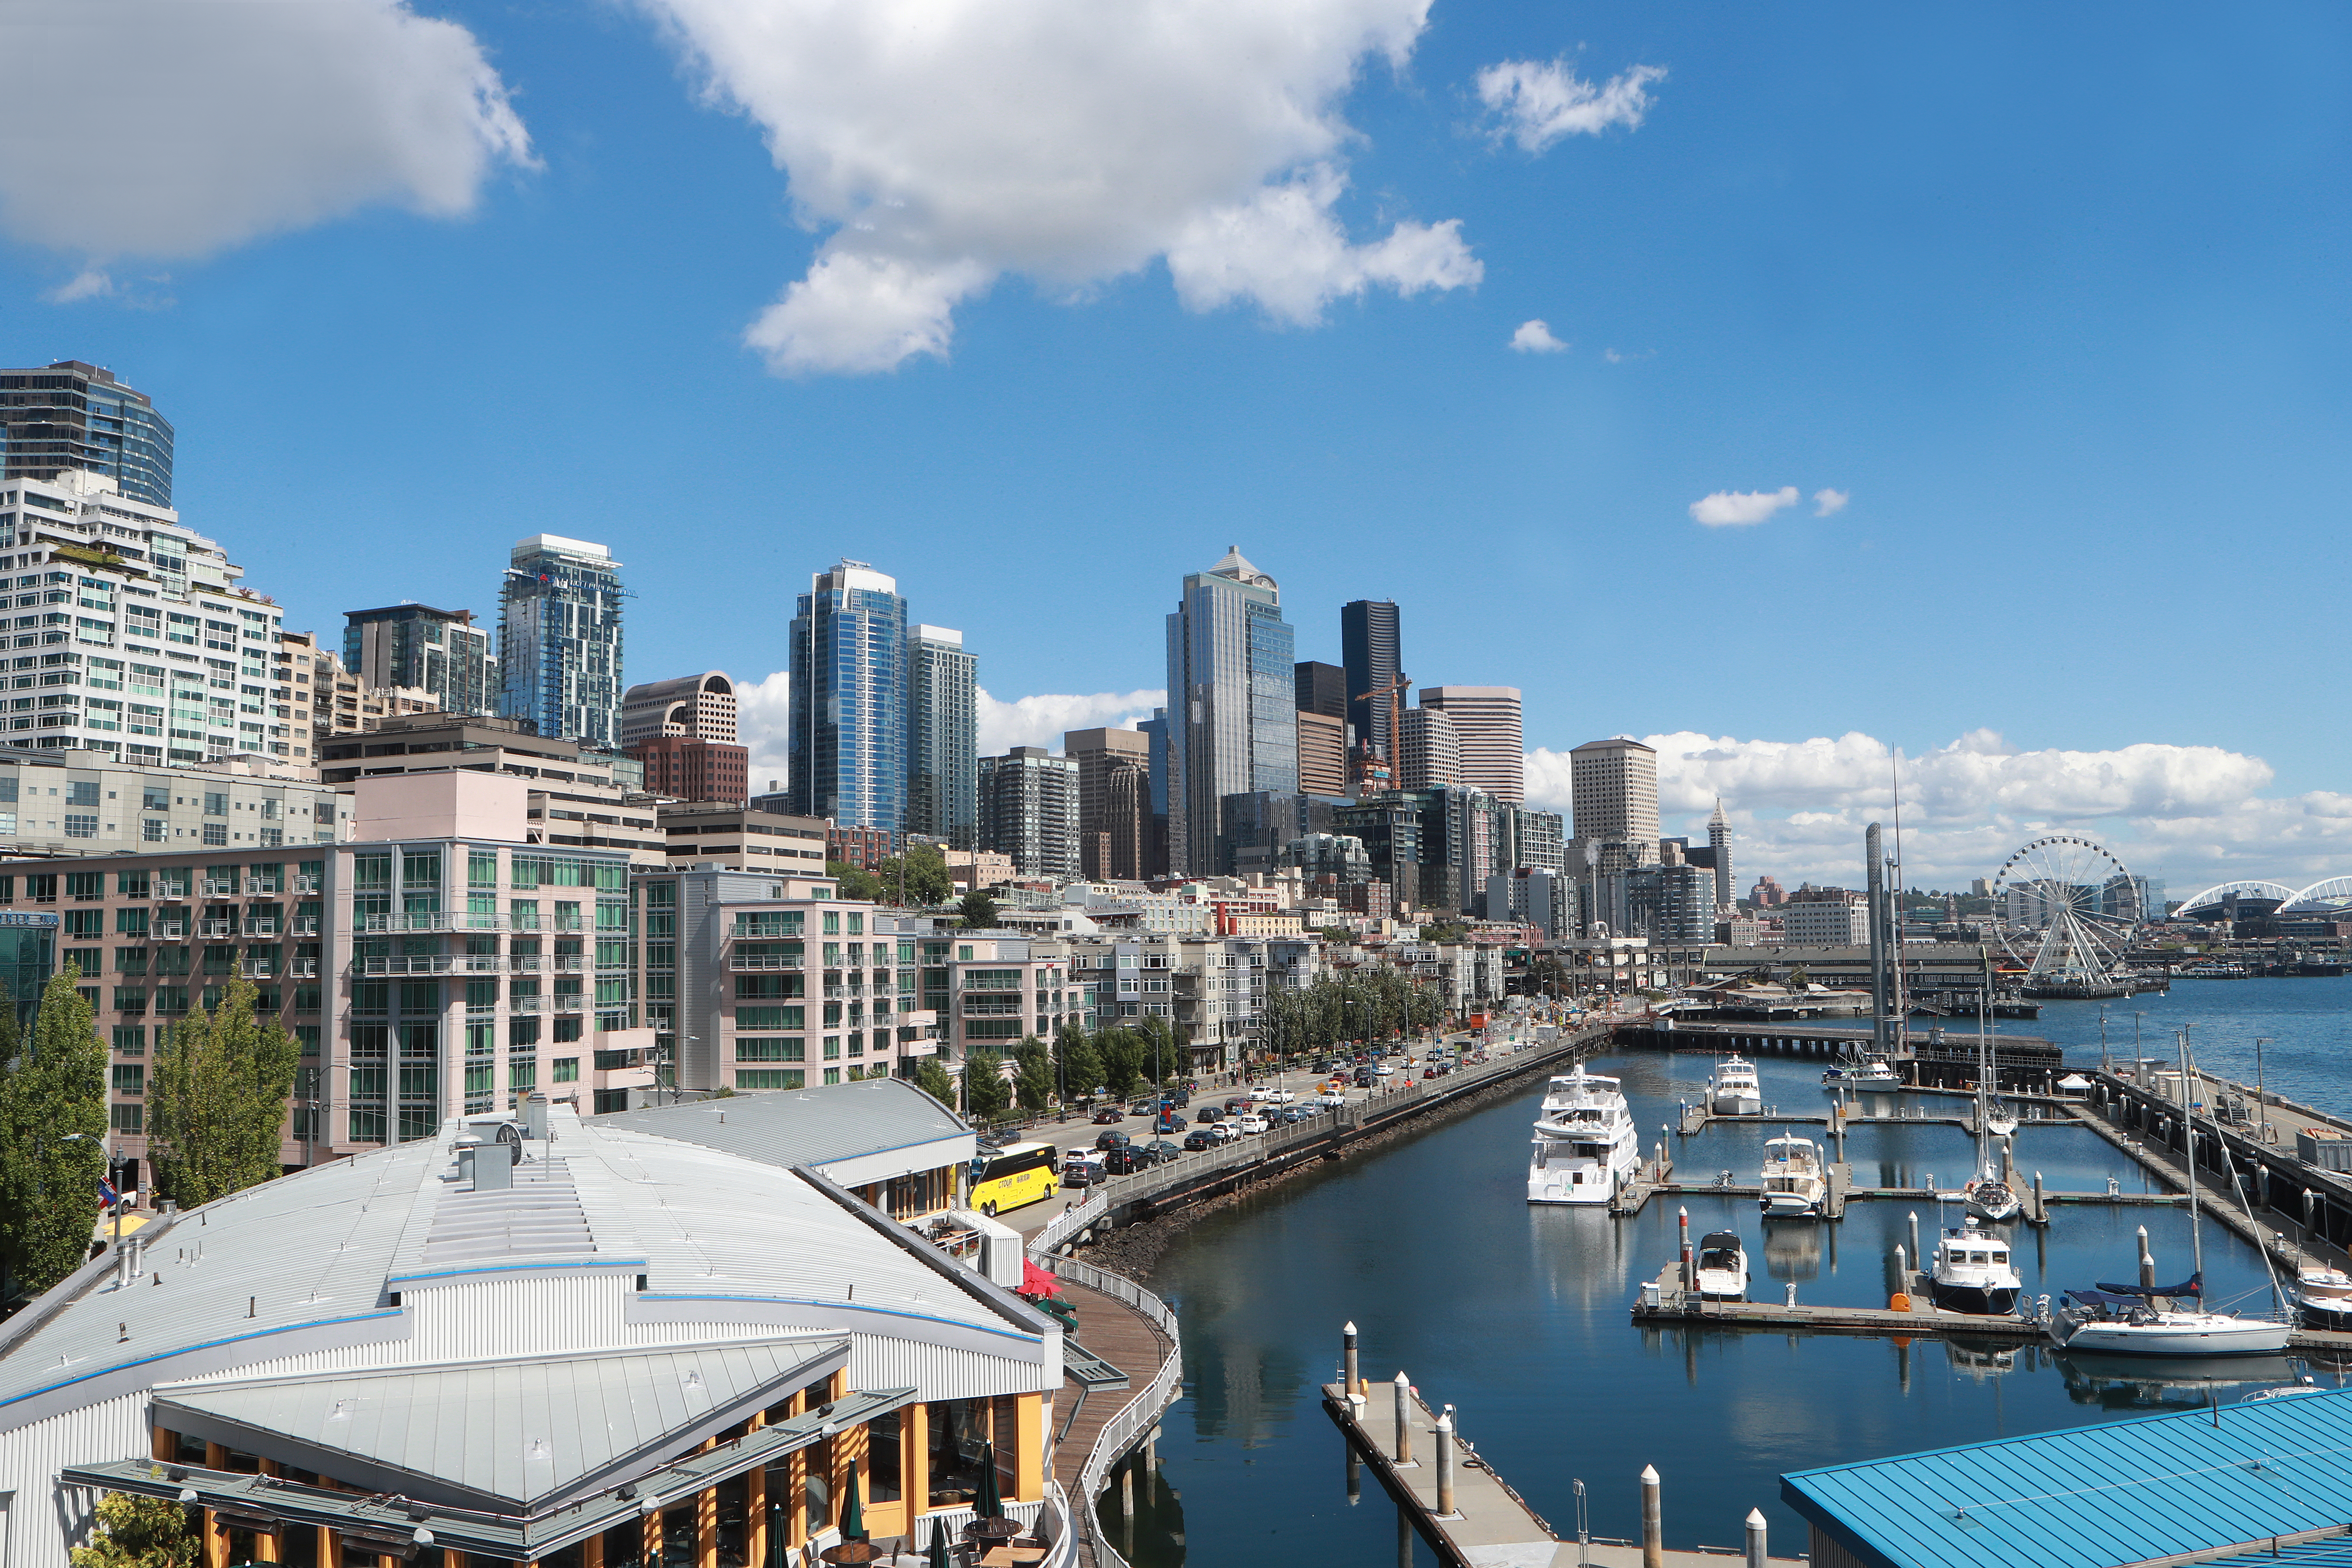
x=1015, y=1174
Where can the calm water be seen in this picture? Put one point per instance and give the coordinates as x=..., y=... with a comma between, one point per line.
x=1520, y=1317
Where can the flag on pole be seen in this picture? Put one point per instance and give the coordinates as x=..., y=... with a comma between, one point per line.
x=107, y=1197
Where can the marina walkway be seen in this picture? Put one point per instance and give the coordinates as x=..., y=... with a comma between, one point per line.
x=1121, y=1336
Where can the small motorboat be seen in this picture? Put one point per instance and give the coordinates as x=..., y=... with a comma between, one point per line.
x=1871, y=1073
x=1722, y=1267
x=1972, y=1273
x=1794, y=1185
x=2324, y=1296
x=1734, y=1090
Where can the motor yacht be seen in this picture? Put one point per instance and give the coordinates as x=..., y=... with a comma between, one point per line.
x=1734, y=1090
x=1585, y=1144
x=1869, y=1073
x=1722, y=1267
x=2324, y=1295
x=1971, y=1272
x=1795, y=1186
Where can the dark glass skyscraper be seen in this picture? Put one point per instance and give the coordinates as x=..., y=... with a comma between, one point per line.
x=75, y=416
x=849, y=718
x=1371, y=648
x=1234, y=728
x=560, y=640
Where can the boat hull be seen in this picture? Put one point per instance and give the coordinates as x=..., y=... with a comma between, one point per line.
x=1585, y=1182
x=1723, y=1284
x=1791, y=1206
x=1978, y=1301
x=2189, y=1339
x=1738, y=1104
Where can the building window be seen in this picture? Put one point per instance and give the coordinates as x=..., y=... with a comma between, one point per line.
x=80, y=826
x=216, y=833
x=131, y=1117
x=565, y=1070
x=765, y=1077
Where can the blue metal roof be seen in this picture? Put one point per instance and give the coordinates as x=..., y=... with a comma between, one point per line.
x=2092, y=1496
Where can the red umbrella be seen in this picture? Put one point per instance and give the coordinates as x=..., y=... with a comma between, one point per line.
x=1036, y=1281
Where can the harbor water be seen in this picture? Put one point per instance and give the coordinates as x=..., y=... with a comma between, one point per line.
x=1520, y=1316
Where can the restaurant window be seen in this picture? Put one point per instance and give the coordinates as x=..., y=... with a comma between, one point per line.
x=732, y=1497
x=816, y=1487
x=958, y=1432
x=679, y=1543
x=884, y=1452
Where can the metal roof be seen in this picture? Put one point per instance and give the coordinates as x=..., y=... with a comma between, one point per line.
x=2092, y=1496
x=514, y=1437
x=802, y=1127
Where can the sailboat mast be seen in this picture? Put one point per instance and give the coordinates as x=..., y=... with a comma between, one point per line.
x=2189, y=1142
x=1984, y=1070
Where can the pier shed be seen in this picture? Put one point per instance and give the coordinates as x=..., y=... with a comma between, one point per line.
x=2198, y=1486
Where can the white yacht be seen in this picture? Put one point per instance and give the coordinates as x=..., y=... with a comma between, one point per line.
x=1734, y=1090
x=1972, y=1273
x=2000, y=1120
x=1795, y=1186
x=1722, y=1267
x=2325, y=1295
x=1586, y=1146
x=1871, y=1073
x=1990, y=1197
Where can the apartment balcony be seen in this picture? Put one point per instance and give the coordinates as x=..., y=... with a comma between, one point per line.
x=258, y=969
x=215, y=928
x=171, y=892
x=212, y=889
x=306, y=884
x=990, y=1007
x=485, y=964
x=530, y=963
x=761, y=961
x=525, y=1003
x=264, y=926
x=567, y=963
x=416, y=964
x=171, y=931
x=259, y=885
x=302, y=928
x=303, y=969
x=571, y=1004
x=739, y=931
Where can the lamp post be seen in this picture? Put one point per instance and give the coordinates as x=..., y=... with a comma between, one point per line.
x=2261, y=1101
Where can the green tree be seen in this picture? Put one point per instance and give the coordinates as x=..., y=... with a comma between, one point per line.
x=932, y=1079
x=1125, y=1063
x=856, y=882
x=216, y=1109
x=918, y=878
x=1445, y=930
x=1156, y=1054
x=140, y=1532
x=1032, y=1076
x=52, y=1138
x=1079, y=1065
x=979, y=910
x=986, y=1096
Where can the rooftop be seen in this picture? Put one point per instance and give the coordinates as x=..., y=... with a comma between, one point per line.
x=810, y=1127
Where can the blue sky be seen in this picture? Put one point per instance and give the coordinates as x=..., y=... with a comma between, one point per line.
x=2057, y=300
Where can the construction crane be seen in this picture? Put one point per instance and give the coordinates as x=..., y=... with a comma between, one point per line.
x=1394, y=692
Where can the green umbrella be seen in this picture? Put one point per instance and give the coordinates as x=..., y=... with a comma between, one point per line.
x=853, y=1517
x=939, y=1545
x=991, y=1504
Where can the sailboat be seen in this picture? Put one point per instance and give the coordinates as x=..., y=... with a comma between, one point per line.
x=1989, y=1197
x=2121, y=1320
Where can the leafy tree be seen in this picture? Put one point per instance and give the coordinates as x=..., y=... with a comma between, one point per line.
x=932, y=1080
x=856, y=882
x=1445, y=930
x=986, y=1096
x=1033, y=1078
x=1156, y=1051
x=52, y=1138
x=217, y=1110
x=979, y=910
x=1080, y=1064
x=140, y=1532
x=922, y=871
x=1125, y=1063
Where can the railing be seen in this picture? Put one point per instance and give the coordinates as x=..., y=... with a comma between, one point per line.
x=568, y=962
x=303, y=969
x=261, y=884
x=258, y=969
x=761, y=961
x=171, y=931
x=306, y=884
x=213, y=888
x=570, y=1003
x=217, y=928
x=302, y=928
x=484, y=963
x=263, y=927
x=421, y=964
x=171, y=892
x=1134, y=1418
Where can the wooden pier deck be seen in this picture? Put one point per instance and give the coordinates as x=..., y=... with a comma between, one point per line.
x=1491, y=1525
x=1121, y=1336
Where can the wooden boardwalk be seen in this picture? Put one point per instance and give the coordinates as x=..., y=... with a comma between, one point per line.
x=1121, y=1336
x=1491, y=1525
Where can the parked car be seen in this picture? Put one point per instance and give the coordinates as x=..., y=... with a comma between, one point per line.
x=1208, y=1115
x=1107, y=1115
x=1123, y=1161
x=1252, y=1123
x=1111, y=1140
x=1160, y=1151
x=1199, y=1140
x=1223, y=1132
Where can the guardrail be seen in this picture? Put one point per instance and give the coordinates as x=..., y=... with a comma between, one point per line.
x=1134, y=1418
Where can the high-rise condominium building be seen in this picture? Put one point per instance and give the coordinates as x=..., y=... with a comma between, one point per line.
x=1233, y=727
x=1371, y=646
x=1322, y=689
x=848, y=748
x=1029, y=810
x=1613, y=791
x=1429, y=751
x=699, y=706
x=1114, y=801
x=1487, y=718
x=1322, y=754
x=560, y=640
x=942, y=736
x=440, y=651
x=69, y=414
x=131, y=636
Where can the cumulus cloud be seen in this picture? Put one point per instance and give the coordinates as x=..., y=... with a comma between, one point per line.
x=1040, y=720
x=2188, y=814
x=1538, y=102
x=1827, y=503
x=1535, y=338
x=940, y=148
x=761, y=708
x=1739, y=508
x=224, y=122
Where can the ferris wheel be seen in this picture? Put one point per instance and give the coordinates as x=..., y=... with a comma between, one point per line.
x=2068, y=909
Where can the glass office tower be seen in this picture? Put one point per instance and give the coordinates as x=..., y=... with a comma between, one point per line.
x=848, y=752
x=1234, y=728
x=75, y=416
x=560, y=640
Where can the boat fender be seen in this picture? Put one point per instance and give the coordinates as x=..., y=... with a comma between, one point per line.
x=1898, y=1303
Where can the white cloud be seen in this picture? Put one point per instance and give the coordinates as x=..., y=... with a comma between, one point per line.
x=760, y=709
x=1541, y=101
x=90, y=283
x=1828, y=503
x=2188, y=814
x=220, y=123
x=1040, y=720
x=1535, y=338
x=1738, y=509
x=940, y=147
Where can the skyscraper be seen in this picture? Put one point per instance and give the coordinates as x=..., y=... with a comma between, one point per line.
x=699, y=706
x=1233, y=727
x=1370, y=647
x=1114, y=800
x=440, y=651
x=849, y=718
x=942, y=737
x=1487, y=718
x=1321, y=688
x=1155, y=832
x=1613, y=791
x=560, y=640
x=1718, y=838
x=1029, y=810
x=69, y=414
x=1429, y=751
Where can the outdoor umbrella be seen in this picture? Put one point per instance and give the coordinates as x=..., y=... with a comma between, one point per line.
x=991, y=1503
x=1036, y=1281
x=938, y=1555
x=853, y=1517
